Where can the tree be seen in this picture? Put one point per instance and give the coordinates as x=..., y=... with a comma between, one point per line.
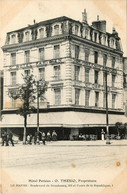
x=27, y=95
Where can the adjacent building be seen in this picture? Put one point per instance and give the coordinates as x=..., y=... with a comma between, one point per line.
x=74, y=58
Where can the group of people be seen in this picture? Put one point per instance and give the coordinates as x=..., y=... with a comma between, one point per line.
x=7, y=137
x=44, y=137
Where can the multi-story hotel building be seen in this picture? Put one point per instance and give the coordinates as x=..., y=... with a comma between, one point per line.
x=73, y=57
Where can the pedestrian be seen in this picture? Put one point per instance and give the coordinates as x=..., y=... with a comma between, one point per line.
x=54, y=136
x=35, y=138
x=10, y=136
x=4, y=139
x=43, y=138
x=48, y=136
x=31, y=139
x=28, y=139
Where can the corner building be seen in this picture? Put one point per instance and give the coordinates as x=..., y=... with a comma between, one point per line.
x=73, y=57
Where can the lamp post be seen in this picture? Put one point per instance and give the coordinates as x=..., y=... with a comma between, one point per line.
x=38, y=106
x=107, y=119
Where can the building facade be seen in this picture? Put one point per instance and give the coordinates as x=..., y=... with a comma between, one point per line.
x=74, y=58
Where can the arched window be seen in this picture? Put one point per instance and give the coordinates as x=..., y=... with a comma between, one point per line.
x=27, y=36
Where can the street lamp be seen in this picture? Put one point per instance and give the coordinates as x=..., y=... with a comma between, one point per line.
x=38, y=106
x=107, y=120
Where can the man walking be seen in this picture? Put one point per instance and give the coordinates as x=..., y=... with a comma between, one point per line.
x=10, y=135
x=4, y=139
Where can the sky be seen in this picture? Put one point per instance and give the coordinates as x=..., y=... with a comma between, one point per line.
x=15, y=14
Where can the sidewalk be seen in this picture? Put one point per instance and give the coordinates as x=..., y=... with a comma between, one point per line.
x=88, y=143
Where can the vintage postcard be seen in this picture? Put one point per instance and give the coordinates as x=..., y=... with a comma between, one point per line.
x=63, y=97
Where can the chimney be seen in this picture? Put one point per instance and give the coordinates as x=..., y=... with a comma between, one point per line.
x=99, y=24
x=84, y=16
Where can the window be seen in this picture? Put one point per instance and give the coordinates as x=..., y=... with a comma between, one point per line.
x=27, y=36
x=42, y=74
x=57, y=92
x=27, y=56
x=104, y=40
x=104, y=60
x=112, y=42
x=87, y=75
x=76, y=30
x=27, y=72
x=56, y=51
x=77, y=71
x=13, y=78
x=41, y=32
x=113, y=100
x=87, y=52
x=113, y=62
x=96, y=77
x=76, y=51
x=87, y=96
x=104, y=79
x=95, y=57
x=95, y=36
x=13, y=103
x=56, y=29
x=113, y=80
x=41, y=54
x=13, y=39
x=96, y=98
x=77, y=95
x=104, y=100
x=57, y=72
x=13, y=59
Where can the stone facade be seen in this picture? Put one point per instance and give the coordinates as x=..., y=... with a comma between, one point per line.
x=74, y=57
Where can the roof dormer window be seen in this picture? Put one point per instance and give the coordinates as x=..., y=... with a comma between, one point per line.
x=56, y=29
x=41, y=32
x=27, y=36
x=13, y=39
x=76, y=29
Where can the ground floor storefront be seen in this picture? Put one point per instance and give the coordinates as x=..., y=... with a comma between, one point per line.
x=69, y=125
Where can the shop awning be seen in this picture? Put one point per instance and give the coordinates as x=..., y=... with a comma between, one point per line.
x=69, y=119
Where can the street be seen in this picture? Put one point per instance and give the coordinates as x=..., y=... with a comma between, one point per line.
x=64, y=167
x=64, y=155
